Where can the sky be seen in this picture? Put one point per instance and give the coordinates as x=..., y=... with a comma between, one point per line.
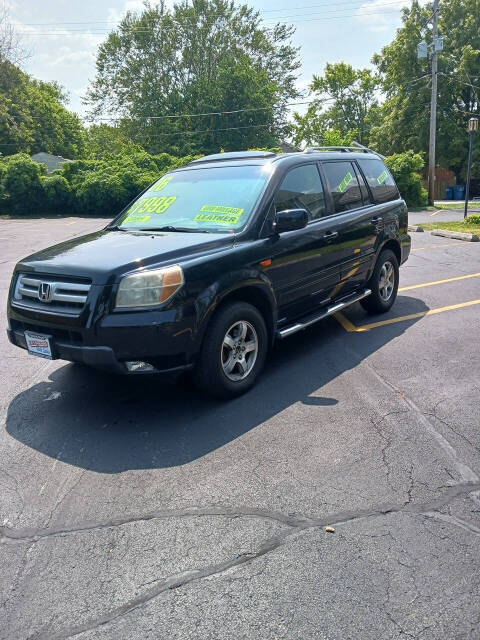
x=63, y=35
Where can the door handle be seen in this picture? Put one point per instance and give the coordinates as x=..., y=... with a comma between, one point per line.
x=375, y=220
x=330, y=235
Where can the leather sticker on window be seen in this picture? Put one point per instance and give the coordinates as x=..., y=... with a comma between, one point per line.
x=217, y=218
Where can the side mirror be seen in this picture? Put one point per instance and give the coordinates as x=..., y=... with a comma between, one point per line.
x=290, y=220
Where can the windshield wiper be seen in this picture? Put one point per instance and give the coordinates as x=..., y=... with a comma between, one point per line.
x=171, y=228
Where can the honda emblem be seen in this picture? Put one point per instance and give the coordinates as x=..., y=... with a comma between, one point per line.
x=44, y=292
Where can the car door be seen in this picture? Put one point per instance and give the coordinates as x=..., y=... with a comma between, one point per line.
x=355, y=223
x=304, y=267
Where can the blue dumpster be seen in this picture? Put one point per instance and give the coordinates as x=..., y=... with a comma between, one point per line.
x=459, y=192
x=449, y=193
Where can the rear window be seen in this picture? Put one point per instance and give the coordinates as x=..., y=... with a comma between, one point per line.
x=380, y=181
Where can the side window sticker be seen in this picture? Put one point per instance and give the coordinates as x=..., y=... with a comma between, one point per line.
x=382, y=177
x=342, y=187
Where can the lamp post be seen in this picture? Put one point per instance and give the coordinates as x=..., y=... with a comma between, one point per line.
x=472, y=127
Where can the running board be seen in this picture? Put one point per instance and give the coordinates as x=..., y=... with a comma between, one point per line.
x=324, y=313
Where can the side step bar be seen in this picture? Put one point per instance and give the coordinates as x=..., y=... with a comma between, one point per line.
x=323, y=313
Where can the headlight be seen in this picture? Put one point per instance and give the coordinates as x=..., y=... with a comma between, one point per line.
x=149, y=288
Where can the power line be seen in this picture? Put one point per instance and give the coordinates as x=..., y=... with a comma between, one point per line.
x=449, y=75
x=343, y=6
x=100, y=32
x=174, y=133
x=359, y=4
x=188, y=115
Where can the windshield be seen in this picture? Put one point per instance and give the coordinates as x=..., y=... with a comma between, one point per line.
x=217, y=199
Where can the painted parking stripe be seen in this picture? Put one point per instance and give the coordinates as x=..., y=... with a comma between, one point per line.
x=439, y=246
x=350, y=327
x=430, y=284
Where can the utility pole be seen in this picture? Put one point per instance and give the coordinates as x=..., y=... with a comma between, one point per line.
x=472, y=127
x=433, y=108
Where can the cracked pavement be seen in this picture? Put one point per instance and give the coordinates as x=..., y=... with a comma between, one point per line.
x=138, y=509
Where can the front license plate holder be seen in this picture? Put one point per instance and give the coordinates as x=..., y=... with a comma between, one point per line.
x=39, y=344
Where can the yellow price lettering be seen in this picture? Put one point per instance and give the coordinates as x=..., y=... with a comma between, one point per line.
x=153, y=204
x=161, y=184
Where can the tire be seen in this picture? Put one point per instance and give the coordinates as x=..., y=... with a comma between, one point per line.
x=228, y=368
x=382, y=297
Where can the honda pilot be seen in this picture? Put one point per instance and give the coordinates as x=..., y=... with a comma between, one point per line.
x=213, y=263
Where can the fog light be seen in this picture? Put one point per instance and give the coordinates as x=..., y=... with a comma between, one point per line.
x=139, y=366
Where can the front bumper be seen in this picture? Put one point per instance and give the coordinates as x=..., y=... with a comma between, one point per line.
x=167, y=339
x=99, y=357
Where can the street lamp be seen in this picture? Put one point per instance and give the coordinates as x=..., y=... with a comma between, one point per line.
x=472, y=127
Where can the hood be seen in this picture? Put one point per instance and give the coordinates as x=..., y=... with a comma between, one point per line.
x=108, y=253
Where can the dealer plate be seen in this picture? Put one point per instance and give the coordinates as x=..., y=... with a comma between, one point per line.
x=39, y=344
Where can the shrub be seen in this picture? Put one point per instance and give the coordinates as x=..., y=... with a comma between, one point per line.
x=100, y=194
x=22, y=184
x=473, y=218
x=57, y=193
x=404, y=168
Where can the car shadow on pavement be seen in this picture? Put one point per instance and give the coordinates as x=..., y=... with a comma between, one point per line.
x=110, y=424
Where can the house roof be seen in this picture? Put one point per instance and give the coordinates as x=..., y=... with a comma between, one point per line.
x=52, y=162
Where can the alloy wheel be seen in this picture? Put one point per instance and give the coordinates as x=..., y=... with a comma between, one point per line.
x=387, y=281
x=239, y=350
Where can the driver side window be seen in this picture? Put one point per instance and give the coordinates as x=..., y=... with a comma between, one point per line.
x=302, y=189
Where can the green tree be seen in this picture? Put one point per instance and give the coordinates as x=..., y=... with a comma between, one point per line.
x=209, y=55
x=344, y=107
x=104, y=139
x=33, y=116
x=403, y=121
x=405, y=168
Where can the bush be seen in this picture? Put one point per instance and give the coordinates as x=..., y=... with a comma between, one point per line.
x=404, y=168
x=100, y=194
x=473, y=218
x=57, y=193
x=22, y=184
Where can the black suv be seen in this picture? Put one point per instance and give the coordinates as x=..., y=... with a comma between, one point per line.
x=213, y=262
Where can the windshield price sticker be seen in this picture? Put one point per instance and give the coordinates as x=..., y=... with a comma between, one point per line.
x=137, y=218
x=233, y=211
x=161, y=184
x=153, y=204
x=345, y=182
x=382, y=177
x=218, y=218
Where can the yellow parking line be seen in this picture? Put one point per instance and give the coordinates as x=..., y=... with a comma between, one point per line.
x=435, y=212
x=69, y=223
x=438, y=246
x=350, y=327
x=430, y=284
x=345, y=322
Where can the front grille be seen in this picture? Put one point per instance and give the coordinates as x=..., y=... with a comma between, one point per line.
x=50, y=294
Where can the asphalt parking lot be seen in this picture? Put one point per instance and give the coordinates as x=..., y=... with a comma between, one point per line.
x=138, y=509
x=442, y=215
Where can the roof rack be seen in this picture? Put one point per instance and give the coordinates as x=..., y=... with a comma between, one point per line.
x=234, y=155
x=356, y=147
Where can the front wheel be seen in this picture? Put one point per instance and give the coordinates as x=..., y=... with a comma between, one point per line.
x=383, y=283
x=233, y=352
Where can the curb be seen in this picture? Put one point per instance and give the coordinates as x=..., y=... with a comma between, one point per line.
x=415, y=227
x=457, y=235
